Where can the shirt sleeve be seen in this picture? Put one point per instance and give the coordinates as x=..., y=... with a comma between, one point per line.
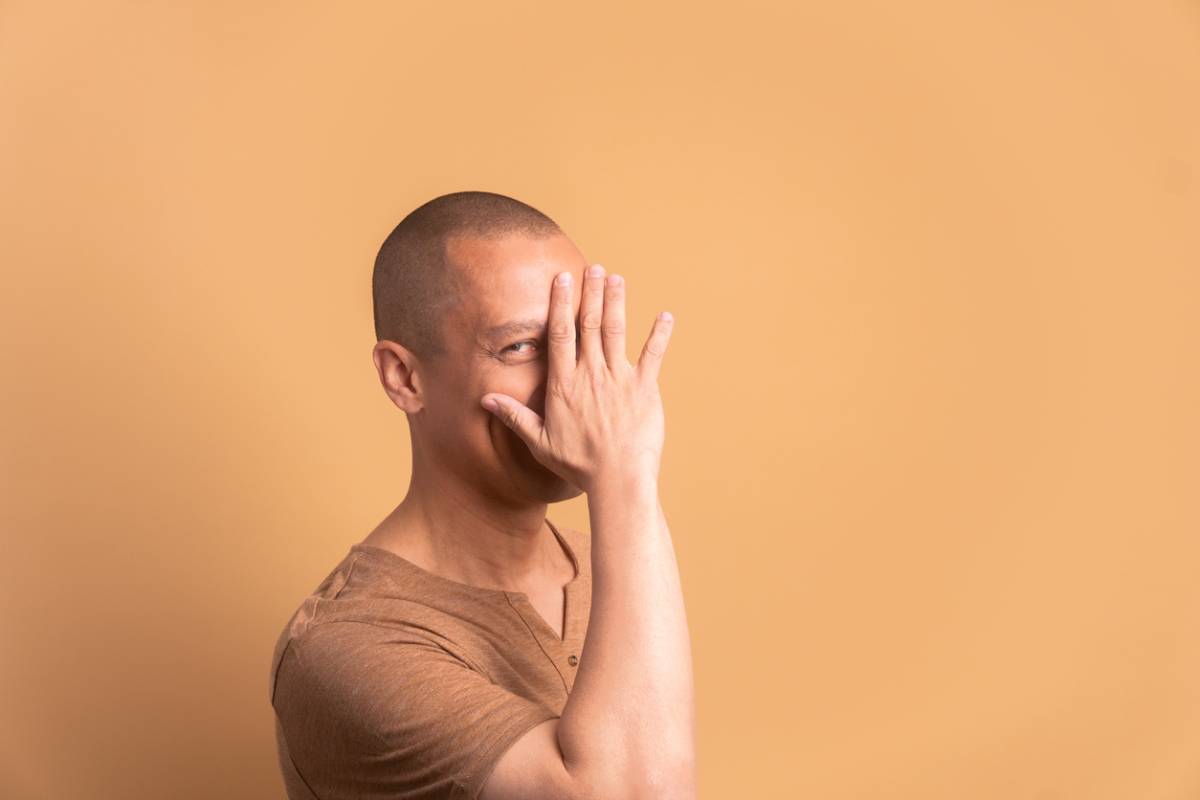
x=370, y=711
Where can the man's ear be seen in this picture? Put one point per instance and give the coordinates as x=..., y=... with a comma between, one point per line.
x=398, y=375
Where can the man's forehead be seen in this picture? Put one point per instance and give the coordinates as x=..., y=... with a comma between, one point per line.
x=484, y=257
x=518, y=309
x=509, y=281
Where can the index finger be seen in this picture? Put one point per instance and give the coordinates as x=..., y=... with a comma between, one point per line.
x=560, y=328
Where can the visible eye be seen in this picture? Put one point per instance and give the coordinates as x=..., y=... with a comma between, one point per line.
x=512, y=347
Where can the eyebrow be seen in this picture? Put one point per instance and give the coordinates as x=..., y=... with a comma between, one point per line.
x=515, y=328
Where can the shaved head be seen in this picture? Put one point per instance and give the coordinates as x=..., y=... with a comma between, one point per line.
x=414, y=283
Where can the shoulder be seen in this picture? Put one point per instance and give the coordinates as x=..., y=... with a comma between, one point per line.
x=353, y=648
x=353, y=674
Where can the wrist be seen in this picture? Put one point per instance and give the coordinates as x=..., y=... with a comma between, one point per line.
x=625, y=481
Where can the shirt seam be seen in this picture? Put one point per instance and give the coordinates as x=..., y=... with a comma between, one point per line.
x=291, y=758
x=300, y=774
x=338, y=593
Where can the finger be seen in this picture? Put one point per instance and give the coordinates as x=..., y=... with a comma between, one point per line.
x=650, y=361
x=560, y=329
x=524, y=421
x=591, y=313
x=612, y=329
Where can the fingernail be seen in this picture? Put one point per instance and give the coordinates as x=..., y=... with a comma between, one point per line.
x=595, y=270
x=666, y=316
x=614, y=279
x=564, y=278
x=489, y=403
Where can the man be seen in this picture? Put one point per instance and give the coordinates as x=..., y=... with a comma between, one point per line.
x=468, y=647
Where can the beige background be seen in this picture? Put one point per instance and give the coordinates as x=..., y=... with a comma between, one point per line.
x=932, y=441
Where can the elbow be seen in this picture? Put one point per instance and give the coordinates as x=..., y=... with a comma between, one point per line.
x=675, y=781
x=661, y=782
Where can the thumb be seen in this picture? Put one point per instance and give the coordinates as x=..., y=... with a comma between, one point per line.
x=524, y=421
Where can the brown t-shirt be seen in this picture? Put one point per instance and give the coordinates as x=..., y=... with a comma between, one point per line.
x=392, y=682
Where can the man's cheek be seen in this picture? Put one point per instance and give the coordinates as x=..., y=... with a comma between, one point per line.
x=503, y=440
x=512, y=448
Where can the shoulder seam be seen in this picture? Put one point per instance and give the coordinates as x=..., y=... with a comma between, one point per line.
x=349, y=575
x=319, y=600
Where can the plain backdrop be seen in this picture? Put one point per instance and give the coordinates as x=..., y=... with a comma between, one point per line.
x=932, y=451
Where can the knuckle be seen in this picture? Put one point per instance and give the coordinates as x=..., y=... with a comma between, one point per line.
x=560, y=332
x=590, y=321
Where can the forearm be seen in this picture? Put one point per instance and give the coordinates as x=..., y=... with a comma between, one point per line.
x=628, y=728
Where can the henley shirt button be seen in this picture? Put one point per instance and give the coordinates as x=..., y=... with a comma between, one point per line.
x=572, y=660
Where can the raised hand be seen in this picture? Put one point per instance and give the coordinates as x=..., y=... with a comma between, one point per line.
x=604, y=416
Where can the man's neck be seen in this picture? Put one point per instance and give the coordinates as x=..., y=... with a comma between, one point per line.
x=473, y=543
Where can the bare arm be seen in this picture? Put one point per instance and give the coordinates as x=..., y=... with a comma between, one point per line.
x=627, y=730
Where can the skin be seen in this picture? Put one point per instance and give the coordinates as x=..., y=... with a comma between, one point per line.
x=572, y=415
x=627, y=729
x=476, y=505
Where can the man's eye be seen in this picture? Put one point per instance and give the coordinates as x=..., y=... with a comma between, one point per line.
x=512, y=347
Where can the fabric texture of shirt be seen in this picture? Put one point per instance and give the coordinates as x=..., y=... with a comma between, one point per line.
x=391, y=681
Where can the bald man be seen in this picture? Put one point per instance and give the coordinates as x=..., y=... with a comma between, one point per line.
x=468, y=646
